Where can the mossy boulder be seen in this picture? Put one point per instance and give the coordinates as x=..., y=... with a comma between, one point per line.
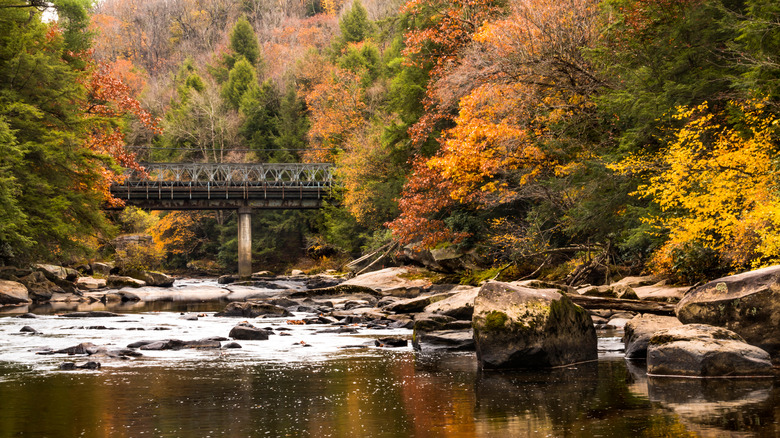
x=700, y=350
x=519, y=327
x=747, y=303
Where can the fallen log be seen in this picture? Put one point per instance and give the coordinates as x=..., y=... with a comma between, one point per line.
x=640, y=306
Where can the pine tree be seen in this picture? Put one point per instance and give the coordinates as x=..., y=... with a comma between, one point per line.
x=243, y=42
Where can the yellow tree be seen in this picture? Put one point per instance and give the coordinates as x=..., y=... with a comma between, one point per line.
x=716, y=186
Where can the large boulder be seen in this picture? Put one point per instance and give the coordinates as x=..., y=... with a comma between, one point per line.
x=90, y=283
x=748, y=304
x=151, y=278
x=517, y=327
x=700, y=350
x=442, y=259
x=103, y=269
x=118, y=282
x=40, y=287
x=459, y=306
x=12, y=273
x=158, y=279
x=639, y=330
x=391, y=279
x=58, y=272
x=12, y=292
x=253, y=309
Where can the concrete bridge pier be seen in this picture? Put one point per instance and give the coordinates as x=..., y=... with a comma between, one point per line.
x=245, y=242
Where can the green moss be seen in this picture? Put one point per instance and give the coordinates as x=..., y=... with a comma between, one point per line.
x=495, y=320
x=421, y=274
x=474, y=278
x=662, y=339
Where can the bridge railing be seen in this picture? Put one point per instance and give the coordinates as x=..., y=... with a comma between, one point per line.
x=231, y=175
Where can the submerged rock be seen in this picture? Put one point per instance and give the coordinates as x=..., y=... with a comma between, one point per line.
x=441, y=332
x=517, y=327
x=640, y=329
x=700, y=350
x=91, y=314
x=69, y=366
x=176, y=344
x=450, y=340
x=391, y=342
x=747, y=303
x=82, y=348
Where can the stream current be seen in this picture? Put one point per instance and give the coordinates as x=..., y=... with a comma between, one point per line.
x=311, y=384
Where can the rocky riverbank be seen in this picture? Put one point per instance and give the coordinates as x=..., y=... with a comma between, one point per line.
x=528, y=324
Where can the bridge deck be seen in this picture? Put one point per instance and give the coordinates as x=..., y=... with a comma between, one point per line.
x=177, y=186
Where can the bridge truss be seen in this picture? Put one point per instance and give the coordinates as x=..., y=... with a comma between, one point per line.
x=217, y=186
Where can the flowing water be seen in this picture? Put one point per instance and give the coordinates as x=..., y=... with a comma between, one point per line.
x=341, y=385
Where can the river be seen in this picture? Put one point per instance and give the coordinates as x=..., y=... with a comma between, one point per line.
x=311, y=384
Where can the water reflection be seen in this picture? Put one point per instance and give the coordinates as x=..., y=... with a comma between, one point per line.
x=385, y=394
x=711, y=406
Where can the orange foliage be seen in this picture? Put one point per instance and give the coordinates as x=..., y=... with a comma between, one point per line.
x=522, y=83
x=176, y=232
x=337, y=109
x=293, y=39
x=108, y=101
x=424, y=196
x=449, y=26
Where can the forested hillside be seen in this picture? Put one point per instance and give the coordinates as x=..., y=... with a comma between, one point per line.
x=560, y=139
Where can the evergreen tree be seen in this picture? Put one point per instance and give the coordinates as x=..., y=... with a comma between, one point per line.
x=355, y=26
x=259, y=108
x=49, y=183
x=243, y=42
x=292, y=124
x=241, y=79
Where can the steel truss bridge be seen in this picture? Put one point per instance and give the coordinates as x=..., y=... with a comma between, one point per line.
x=226, y=186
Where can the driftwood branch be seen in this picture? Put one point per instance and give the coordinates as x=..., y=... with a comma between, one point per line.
x=627, y=305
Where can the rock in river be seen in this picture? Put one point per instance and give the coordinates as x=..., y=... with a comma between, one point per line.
x=640, y=329
x=118, y=281
x=460, y=305
x=700, y=350
x=248, y=332
x=518, y=327
x=253, y=309
x=747, y=303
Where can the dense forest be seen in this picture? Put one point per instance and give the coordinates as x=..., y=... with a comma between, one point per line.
x=544, y=138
